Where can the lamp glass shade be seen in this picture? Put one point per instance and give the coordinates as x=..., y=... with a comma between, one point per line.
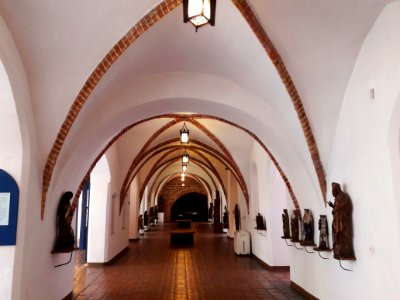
x=184, y=167
x=199, y=12
x=185, y=158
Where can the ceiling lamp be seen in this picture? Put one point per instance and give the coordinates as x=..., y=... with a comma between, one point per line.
x=184, y=132
x=184, y=167
x=182, y=178
x=185, y=158
x=199, y=12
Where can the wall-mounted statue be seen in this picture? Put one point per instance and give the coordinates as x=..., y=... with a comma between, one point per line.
x=295, y=225
x=308, y=228
x=236, y=212
x=65, y=239
x=285, y=222
x=140, y=222
x=323, y=234
x=146, y=219
x=225, y=218
x=151, y=215
x=211, y=211
x=260, y=222
x=342, y=227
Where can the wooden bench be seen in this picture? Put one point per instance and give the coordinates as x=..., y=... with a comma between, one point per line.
x=182, y=237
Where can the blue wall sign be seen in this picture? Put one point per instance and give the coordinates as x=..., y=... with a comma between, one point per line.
x=9, y=197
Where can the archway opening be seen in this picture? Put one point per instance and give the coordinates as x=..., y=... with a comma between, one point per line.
x=191, y=206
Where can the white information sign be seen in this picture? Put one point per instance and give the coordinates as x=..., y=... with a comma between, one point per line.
x=4, y=208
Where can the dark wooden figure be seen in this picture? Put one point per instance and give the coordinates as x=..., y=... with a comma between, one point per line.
x=65, y=239
x=308, y=228
x=285, y=223
x=342, y=227
x=236, y=212
x=295, y=224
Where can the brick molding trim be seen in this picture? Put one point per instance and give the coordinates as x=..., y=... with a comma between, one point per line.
x=179, y=118
x=133, y=34
x=276, y=59
x=119, y=48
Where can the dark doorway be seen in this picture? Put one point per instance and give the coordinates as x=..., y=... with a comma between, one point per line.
x=191, y=206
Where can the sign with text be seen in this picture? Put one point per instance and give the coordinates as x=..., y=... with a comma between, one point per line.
x=4, y=208
x=9, y=197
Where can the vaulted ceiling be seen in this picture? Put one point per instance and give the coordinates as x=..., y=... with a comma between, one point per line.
x=105, y=74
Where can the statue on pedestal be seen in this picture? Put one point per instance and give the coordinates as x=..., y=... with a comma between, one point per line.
x=285, y=222
x=342, y=227
x=323, y=234
x=65, y=239
x=308, y=228
x=236, y=212
x=295, y=224
x=211, y=211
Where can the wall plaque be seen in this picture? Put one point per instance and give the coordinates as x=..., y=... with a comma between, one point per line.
x=9, y=195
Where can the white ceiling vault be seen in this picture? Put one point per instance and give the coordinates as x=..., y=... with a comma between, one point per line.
x=220, y=72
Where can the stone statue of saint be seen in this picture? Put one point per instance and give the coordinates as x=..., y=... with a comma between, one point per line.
x=236, y=212
x=342, y=227
x=285, y=221
x=308, y=228
x=294, y=222
x=65, y=239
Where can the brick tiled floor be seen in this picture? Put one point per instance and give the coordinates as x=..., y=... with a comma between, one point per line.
x=153, y=269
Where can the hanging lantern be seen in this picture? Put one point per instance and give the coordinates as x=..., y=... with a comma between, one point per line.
x=199, y=12
x=185, y=158
x=184, y=132
x=184, y=167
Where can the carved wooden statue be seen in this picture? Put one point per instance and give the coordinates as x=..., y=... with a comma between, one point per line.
x=323, y=233
x=211, y=211
x=236, y=212
x=295, y=224
x=225, y=218
x=308, y=228
x=286, y=227
x=342, y=227
x=260, y=222
x=146, y=219
x=65, y=239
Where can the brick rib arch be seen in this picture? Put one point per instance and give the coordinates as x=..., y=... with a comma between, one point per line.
x=130, y=37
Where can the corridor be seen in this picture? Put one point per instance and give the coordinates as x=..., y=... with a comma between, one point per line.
x=152, y=269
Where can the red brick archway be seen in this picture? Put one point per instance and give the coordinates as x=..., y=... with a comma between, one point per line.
x=173, y=190
x=128, y=39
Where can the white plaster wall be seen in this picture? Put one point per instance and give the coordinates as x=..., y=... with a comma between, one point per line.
x=99, y=194
x=361, y=162
x=268, y=197
x=119, y=239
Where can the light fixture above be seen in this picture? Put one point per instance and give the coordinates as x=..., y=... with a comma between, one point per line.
x=185, y=158
x=199, y=12
x=184, y=167
x=184, y=132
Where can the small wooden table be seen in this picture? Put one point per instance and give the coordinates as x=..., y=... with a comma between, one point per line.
x=182, y=237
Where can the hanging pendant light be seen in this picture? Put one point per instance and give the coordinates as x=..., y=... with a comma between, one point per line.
x=184, y=167
x=185, y=158
x=184, y=132
x=199, y=12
